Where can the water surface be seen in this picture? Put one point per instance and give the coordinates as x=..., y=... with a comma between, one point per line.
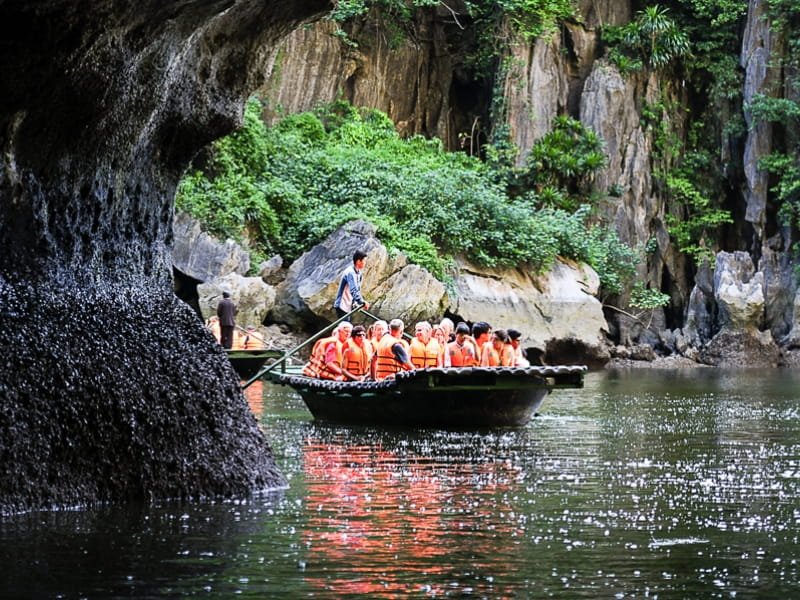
x=642, y=484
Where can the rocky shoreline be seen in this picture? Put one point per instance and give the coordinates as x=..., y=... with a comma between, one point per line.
x=559, y=313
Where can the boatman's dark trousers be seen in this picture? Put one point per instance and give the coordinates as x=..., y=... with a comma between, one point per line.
x=226, y=337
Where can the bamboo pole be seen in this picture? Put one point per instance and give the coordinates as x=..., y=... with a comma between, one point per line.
x=377, y=318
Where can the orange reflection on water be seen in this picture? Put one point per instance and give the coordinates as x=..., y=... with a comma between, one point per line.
x=255, y=398
x=404, y=518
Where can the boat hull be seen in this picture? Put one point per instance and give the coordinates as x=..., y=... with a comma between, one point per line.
x=247, y=363
x=465, y=397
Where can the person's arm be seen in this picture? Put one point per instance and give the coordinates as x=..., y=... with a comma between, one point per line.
x=355, y=288
x=485, y=356
x=401, y=356
x=332, y=359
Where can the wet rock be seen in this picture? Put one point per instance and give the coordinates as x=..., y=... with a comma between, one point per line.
x=742, y=349
x=111, y=388
x=699, y=325
x=643, y=352
x=132, y=401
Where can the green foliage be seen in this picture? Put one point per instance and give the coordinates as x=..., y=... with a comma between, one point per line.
x=653, y=38
x=536, y=18
x=786, y=169
x=774, y=110
x=690, y=230
x=562, y=164
x=647, y=298
x=313, y=172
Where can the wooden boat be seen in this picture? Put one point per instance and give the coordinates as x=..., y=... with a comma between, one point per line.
x=457, y=397
x=249, y=362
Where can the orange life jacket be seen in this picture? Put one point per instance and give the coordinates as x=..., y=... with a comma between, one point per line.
x=358, y=358
x=425, y=355
x=316, y=366
x=387, y=364
x=460, y=356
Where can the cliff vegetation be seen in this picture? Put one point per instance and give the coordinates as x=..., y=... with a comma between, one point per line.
x=285, y=188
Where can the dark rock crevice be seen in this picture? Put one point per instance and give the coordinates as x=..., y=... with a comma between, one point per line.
x=110, y=388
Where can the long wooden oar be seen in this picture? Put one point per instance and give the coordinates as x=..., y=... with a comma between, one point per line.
x=286, y=356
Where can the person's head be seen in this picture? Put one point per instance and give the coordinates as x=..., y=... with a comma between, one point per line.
x=439, y=334
x=396, y=328
x=379, y=328
x=358, y=334
x=499, y=337
x=513, y=337
x=462, y=331
x=422, y=331
x=359, y=258
x=226, y=294
x=447, y=326
x=481, y=331
x=343, y=330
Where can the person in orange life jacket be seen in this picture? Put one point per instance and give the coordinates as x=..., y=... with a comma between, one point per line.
x=513, y=339
x=460, y=350
x=492, y=351
x=392, y=355
x=481, y=331
x=348, y=296
x=425, y=349
x=326, y=357
x=226, y=311
x=440, y=336
x=448, y=327
x=357, y=355
x=376, y=332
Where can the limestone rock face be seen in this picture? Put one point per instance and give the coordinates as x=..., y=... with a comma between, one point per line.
x=559, y=305
x=792, y=339
x=411, y=77
x=253, y=298
x=608, y=108
x=557, y=313
x=102, y=107
x=536, y=88
x=411, y=293
x=309, y=289
x=738, y=292
x=756, y=53
x=201, y=256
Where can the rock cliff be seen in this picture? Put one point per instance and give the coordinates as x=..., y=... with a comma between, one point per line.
x=110, y=388
x=568, y=73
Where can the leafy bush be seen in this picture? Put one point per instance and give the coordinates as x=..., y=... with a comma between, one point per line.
x=563, y=163
x=291, y=185
x=691, y=228
x=653, y=38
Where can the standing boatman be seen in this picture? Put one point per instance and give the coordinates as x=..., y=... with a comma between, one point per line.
x=226, y=311
x=349, y=294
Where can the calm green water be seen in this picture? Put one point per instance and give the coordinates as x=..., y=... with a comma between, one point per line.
x=642, y=484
